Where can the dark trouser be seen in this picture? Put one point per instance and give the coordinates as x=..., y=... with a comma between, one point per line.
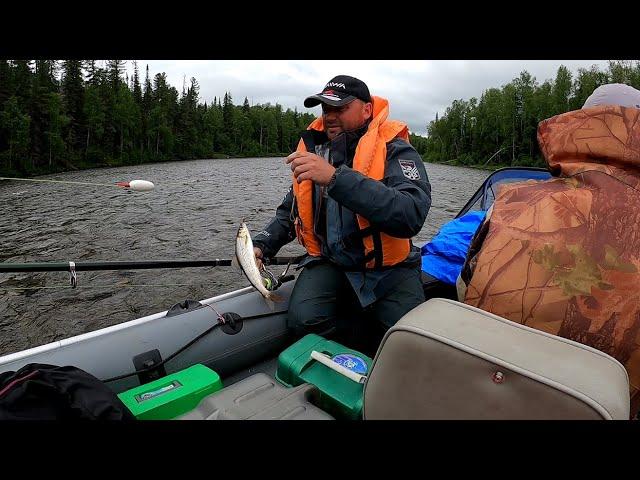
x=323, y=302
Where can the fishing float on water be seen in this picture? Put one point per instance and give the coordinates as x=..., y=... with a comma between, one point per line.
x=133, y=185
x=137, y=185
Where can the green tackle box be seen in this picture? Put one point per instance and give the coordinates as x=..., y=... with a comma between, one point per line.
x=339, y=395
x=173, y=395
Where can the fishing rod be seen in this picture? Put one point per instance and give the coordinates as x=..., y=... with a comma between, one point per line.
x=124, y=265
x=134, y=185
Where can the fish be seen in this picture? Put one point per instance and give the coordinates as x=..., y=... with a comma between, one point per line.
x=246, y=260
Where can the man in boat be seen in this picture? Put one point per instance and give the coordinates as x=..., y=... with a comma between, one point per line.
x=563, y=255
x=359, y=192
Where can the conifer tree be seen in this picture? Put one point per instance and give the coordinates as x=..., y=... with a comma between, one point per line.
x=73, y=104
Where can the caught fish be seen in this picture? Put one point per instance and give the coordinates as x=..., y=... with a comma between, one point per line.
x=247, y=262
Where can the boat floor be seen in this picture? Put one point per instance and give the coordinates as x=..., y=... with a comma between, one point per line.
x=268, y=366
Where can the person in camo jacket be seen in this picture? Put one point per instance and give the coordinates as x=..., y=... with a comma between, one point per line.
x=563, y=255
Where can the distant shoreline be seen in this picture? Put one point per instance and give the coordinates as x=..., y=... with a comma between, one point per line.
x=215, y=156
x=115, y=164
x=478, y=166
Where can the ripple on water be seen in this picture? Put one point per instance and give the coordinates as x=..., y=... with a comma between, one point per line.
x=182, y=219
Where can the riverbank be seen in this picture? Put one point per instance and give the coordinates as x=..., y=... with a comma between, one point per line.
x=215, y=156
x=69, y=166
x=490, y=168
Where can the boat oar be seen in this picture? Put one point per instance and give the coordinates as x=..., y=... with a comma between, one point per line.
x=135, y=185
x=122, y=265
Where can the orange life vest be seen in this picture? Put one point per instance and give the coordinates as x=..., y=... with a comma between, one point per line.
x=370, y=159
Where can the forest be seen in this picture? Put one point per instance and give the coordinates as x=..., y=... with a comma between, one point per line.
x=74, y=114
x=58, y=115
x=500, y=128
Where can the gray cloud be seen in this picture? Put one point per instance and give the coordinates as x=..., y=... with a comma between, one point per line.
x=416, y=89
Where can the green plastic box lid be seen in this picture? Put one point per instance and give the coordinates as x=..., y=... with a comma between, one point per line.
x=338, y=394
x=173, y=395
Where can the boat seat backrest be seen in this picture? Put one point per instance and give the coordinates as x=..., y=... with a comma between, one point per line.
x=448, y=360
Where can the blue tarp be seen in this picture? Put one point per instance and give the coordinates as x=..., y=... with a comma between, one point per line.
x=444, y=256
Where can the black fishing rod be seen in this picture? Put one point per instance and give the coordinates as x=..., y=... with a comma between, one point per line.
x=140, y=265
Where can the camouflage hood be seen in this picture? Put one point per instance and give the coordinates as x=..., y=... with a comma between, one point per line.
x=604, y=138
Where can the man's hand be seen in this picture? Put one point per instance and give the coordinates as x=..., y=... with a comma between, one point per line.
x=309, y=166
x=258, y=253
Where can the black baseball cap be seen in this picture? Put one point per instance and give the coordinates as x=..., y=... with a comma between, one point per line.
x=340, y=90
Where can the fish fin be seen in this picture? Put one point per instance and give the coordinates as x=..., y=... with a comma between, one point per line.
x=270, y=304
x=271, y=300
x=274, y=297
x=236, y=264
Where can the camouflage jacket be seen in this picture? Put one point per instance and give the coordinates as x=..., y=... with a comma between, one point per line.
x=563, y=255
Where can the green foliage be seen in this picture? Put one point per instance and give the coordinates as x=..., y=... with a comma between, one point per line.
x=501, y=128
x=17, y=124
x=57, y=123
x=56, y=115
x=72, y=90
x=91, y=117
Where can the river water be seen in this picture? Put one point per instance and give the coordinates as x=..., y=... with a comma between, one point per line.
x=192, y=214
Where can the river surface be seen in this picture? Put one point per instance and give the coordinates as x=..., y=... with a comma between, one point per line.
x=192, y=214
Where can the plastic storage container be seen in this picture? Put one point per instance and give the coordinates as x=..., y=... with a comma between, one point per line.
x=339, y=395
x=173, y=395
x=259, y=397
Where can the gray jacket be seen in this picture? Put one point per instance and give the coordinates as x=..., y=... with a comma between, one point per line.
x=397, y=205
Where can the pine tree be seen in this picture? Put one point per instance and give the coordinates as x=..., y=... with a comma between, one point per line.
x=230, y=128
x=113, y=130
x=16, y=122
x=73, y=104
x=147, y=105
x=95, y=118
x=91, y=71
x=94, y=111
x=137, y=90
x=5, y=82
x=57, y=123
x=5, y=93
x=21, y=82
x=43, y=85
x=115, y=69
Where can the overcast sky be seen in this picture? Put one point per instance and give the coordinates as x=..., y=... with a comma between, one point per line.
x=416, y=89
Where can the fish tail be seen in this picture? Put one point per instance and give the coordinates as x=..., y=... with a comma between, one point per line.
x=270, y=304
x=274, y=297
x=235, y=264
x=271, y=298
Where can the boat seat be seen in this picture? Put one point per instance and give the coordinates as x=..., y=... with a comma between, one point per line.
x=448, y=360
x=259, y=397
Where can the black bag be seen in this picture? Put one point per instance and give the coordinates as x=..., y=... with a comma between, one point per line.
x=434, y=288
x=48, y=392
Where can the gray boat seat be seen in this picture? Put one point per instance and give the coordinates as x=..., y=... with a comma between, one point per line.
x=259, y=397
x=448, y=360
